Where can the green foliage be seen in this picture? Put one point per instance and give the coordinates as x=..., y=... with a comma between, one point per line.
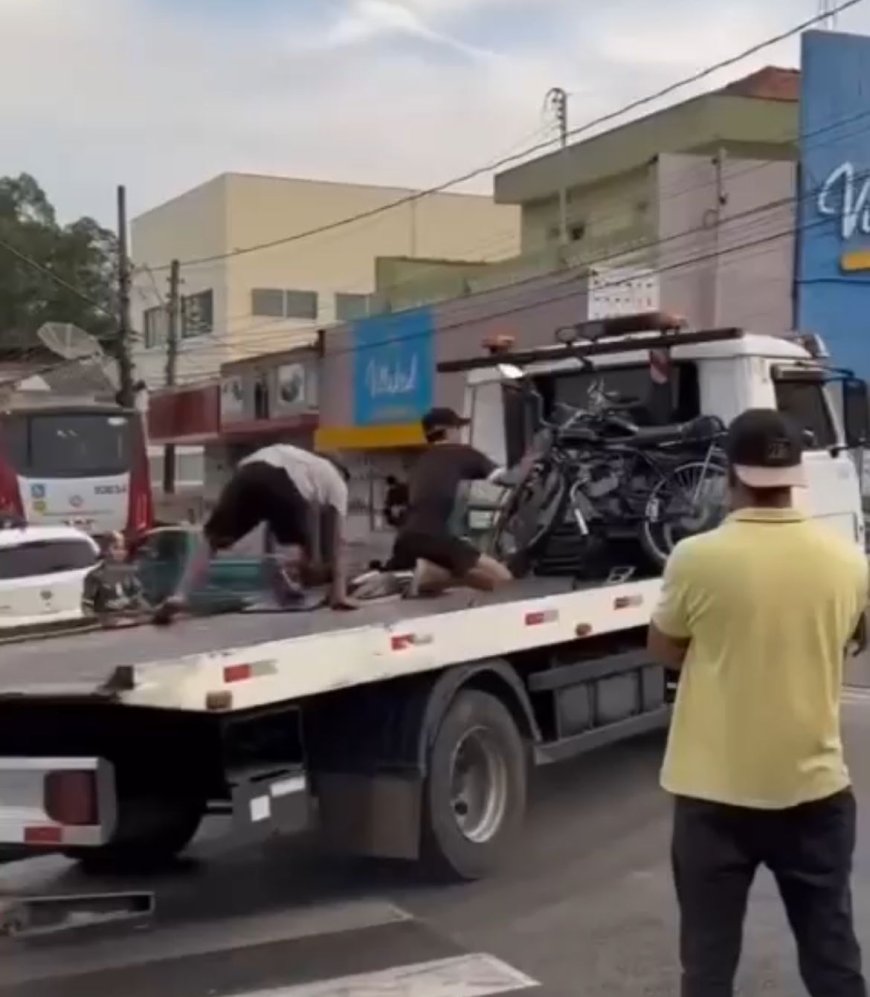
x=82, y=254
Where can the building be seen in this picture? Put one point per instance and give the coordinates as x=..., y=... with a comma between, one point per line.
x=249, y=287
x=611, y=177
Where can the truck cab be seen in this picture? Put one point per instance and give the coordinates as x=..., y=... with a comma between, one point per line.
x=676, y=376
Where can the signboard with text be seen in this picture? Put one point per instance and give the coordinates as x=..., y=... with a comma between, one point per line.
x=833, y=272
x=393, y=367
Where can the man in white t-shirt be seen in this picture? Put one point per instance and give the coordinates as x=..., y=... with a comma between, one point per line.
x=301, y=497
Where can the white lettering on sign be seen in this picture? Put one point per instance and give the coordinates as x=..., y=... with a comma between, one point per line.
x=841, y=196
x=391, y=379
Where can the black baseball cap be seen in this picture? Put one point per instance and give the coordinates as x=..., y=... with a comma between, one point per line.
x=764, y=448
x=442, y=418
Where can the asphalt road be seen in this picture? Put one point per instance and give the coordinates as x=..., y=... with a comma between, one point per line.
x=586, y=910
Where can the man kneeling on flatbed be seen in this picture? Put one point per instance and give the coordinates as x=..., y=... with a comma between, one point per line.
x=302, y=499
x=425, y=543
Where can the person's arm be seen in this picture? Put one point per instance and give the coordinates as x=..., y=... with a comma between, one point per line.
x=669, y=633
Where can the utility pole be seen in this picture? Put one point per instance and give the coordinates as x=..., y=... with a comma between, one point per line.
x=173, y=313
x=827, y=10
x=125, y=362
x=557, y=100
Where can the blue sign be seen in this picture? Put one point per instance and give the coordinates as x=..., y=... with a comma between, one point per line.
x=833, y=279
x=393, y=367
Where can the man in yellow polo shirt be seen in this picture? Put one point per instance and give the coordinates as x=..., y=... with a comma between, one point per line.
x=756, y=616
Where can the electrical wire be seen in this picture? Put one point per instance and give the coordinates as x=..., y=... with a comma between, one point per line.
x=514, y=157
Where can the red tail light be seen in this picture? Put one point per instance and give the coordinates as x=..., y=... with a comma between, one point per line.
x=71, y=798
x=10, y=494
x=140, y=510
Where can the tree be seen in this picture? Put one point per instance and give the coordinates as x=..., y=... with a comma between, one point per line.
x=82, y=255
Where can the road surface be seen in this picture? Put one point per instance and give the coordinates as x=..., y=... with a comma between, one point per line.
x=586, y=910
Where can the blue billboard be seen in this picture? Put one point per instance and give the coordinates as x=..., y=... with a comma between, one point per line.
x=833, y=272
x=393, y=367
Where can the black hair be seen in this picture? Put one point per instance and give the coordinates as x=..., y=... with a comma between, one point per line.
x=436, y=435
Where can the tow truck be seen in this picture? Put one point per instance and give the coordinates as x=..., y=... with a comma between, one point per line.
x=410, y=729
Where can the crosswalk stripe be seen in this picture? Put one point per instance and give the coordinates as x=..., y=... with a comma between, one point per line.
x=473, y=975
x=358, y=949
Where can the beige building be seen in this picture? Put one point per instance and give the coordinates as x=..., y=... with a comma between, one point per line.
x=250, y=286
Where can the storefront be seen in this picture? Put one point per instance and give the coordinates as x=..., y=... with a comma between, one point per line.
x=833, y=273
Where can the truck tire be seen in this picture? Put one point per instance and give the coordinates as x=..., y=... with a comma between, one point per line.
x=475, y=791
x=150, y=834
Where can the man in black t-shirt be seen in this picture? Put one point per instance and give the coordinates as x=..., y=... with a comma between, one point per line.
x=425, y=541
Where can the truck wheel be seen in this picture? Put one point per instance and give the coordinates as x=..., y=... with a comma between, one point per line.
x=475, y=792
x=149, y=835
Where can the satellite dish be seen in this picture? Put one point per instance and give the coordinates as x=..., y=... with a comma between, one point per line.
x=69, y=341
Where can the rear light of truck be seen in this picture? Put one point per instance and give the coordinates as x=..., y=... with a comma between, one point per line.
x=70, y=798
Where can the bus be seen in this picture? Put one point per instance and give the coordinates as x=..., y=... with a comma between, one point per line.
x=75, y=465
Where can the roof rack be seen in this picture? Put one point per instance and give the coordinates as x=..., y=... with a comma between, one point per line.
x=622, y=335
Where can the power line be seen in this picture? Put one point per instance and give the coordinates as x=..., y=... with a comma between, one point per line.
x=539, y=147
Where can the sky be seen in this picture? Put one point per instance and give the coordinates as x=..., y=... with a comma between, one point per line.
x=161, y=95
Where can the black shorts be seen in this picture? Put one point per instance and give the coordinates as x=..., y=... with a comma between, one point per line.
x=259, y=493
x=446, y=551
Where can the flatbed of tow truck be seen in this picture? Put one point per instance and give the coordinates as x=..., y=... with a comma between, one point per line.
x=374, y=725
x=271, y=656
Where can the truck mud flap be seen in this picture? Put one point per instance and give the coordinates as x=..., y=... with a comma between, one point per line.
x=56, y=803
x=266, y=803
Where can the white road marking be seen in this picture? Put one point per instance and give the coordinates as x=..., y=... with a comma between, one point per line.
x=198, y=939
x=475, y=975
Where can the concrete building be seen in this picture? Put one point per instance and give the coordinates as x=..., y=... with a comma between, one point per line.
x=611, y=177
x=249, y=287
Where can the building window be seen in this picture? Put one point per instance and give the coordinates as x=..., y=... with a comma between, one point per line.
x=267, y=302
x=576, y=232
x=154, y=327
x=350, y=306
x=197, y=315
x=273, y=303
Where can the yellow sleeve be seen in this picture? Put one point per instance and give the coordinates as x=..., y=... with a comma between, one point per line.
x=671, y=615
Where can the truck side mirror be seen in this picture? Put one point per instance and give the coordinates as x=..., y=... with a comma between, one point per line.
x=856, y=412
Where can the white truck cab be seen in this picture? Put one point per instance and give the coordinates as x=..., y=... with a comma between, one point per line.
x=719, y=373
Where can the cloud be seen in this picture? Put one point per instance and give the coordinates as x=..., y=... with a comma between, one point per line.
x=367, y=20
x=164, y=94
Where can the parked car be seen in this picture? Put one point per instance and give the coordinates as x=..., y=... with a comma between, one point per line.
x=42, y=575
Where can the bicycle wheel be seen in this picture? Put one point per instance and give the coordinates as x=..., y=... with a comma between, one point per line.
x=692, y=499
x=530, y=510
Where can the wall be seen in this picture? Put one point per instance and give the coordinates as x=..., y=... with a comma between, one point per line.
x=188, y=227
x=263, y=209
x=834, y=256
x=704, y=124
x=725, y=248
x=615, y=212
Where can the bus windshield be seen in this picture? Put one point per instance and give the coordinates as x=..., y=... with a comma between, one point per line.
x=67, y=444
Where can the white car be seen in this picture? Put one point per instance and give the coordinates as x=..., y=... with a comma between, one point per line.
x=42, y=575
